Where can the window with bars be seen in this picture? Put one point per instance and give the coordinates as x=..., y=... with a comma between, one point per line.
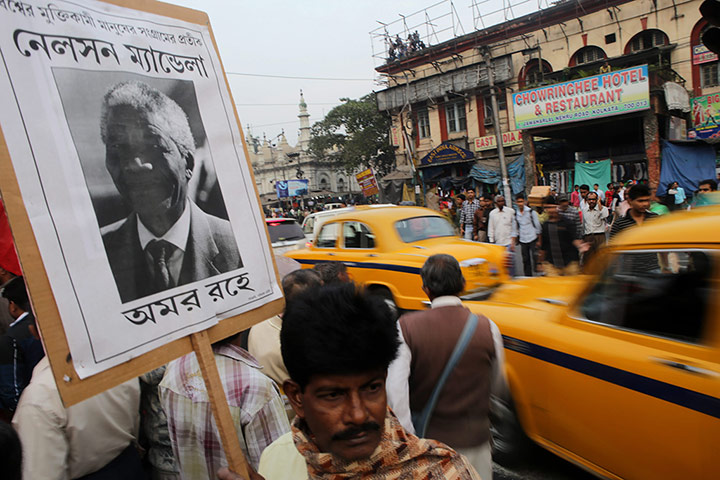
x=423, y=124
x=589, y=55
x=533, y=75
x=648, y=39
x=455, y=116
x=709, y=75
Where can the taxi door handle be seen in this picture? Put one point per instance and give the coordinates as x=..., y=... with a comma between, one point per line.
x=686, y=368
x=371, y=255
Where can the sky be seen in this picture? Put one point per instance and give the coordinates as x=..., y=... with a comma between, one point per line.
x=328, y=39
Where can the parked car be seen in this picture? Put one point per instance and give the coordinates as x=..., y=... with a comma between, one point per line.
x=285, y=234
x=618, y=371
x=384, y=247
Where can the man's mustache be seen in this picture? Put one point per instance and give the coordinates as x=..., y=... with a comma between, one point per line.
x=355, y=431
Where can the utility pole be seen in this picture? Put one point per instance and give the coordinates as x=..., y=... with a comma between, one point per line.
x=507, y=193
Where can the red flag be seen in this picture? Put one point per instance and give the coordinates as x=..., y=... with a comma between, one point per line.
x=8, y=256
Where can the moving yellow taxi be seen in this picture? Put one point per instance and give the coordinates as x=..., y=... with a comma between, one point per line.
x=385, y=247
x=618, y=370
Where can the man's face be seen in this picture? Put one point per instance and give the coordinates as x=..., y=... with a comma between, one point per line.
x=344, y=413
x=592, y=200
x=520, y=202
x=583, y=192
x=458, y=201
x=562, y=205
x=144, y=162
x=500, y=202
x=552, y=211
x=470, y=194
x=484, y=202
x=704, y=188
x=640, y=204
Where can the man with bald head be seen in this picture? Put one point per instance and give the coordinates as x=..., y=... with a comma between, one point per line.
x=167, y=240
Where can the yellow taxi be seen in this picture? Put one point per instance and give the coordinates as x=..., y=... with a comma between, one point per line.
x=618, y=370
x=385, y=247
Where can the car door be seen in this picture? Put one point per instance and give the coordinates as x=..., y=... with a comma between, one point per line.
x=359, y=249
x=634, y=377
x=325, y=247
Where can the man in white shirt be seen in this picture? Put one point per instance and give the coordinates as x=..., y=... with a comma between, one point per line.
x=501, y=224
x=584, y=190
x=97, y=434
x=528, y=228
x=600, y=193
x=594, y=223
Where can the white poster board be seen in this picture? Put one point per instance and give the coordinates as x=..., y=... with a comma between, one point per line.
x=59, y=61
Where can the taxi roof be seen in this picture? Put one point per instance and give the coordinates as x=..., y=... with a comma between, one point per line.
x=698, y=226
x=390, y=213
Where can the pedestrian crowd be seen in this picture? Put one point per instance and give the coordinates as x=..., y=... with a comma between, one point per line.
x=561, y=233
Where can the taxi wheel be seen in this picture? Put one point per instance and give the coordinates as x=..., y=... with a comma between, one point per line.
x=510, y=445
x=387, y=296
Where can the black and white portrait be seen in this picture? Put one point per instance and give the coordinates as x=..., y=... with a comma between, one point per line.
x=147, y=165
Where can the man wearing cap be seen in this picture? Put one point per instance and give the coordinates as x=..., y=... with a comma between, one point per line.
x=167, y=240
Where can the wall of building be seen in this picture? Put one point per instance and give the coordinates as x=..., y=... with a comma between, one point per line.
x=553, y=36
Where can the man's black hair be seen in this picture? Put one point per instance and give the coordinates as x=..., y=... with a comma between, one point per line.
x=584, y=187
x=461, y=196
x=594, y=193
x=330, y=272
x=550, y=200
x=294, y=282
x=441, y=275
x=520, y=196
x=710, y=181
x=335, y=330
x=15, y=292
x=609, y=185
x=637, y=191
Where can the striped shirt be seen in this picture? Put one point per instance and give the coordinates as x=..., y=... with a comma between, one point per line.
x=467, y=211
x=572, y=214
x=255, y=406
x=626, y=221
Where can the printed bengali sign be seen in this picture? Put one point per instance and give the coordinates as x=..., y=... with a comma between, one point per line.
x=705, y=117
x=368, y=183
x=446, y=153
x=598, y=96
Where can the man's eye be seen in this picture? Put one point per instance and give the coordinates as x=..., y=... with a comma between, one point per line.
x=375, y=387
x=331, y=395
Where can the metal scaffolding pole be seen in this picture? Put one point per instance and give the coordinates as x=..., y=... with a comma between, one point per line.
x=507, y=193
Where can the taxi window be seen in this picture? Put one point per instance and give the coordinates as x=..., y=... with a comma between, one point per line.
x=357, y=235
x=661, y=293
x=327, y=236
x=421, y=228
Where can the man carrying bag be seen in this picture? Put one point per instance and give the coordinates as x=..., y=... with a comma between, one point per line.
x=455, y=413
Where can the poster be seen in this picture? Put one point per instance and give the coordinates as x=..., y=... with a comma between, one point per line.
x=598, y=96
x=291, y=188
x=705, y=114
x=131, y=168
x=368, y=183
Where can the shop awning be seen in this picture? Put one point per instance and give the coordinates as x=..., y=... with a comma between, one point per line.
x=444, y=154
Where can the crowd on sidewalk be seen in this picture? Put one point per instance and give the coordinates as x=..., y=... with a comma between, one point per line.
x=560, y=235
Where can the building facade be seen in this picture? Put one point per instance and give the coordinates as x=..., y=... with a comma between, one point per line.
x=275, y=159
x=441, y=94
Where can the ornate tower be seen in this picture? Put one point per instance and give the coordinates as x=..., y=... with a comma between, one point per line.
x=304, y=116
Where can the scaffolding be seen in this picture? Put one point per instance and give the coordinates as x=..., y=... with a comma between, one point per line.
x=443, y=21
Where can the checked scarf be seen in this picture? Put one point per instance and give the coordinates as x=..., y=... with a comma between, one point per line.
x=399, y=456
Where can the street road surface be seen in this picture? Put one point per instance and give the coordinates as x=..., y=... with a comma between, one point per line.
x=541, y=465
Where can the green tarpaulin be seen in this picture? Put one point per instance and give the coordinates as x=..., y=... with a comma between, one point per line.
x=592, y=173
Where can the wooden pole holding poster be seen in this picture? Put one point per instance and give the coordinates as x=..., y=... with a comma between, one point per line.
x=218, y=403
x=136, y=45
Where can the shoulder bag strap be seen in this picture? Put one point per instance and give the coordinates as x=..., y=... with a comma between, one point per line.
x=421, y=423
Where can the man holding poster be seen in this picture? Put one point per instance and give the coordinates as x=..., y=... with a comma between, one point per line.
x=167, y=240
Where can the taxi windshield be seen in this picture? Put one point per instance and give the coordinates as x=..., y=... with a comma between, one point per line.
x=421, y=228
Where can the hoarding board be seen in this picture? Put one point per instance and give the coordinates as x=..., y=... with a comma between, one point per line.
x=598, y=96
x=705, y=114
x=291, y=188
x=368, y=183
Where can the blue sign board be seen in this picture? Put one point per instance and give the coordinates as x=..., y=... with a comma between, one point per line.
x=446, y=153
x=291, y=188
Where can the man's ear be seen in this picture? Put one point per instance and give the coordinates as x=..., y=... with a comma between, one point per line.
x=295, y=396
x=189, y=163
